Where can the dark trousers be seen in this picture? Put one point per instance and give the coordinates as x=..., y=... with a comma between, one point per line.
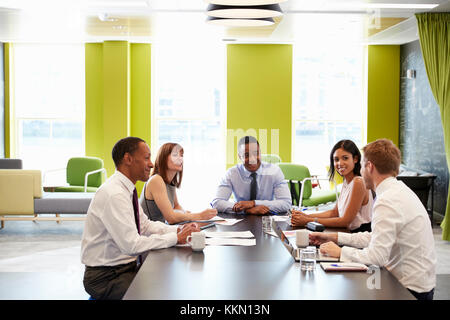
x=423, y=295
x=109, y=282
x=362, y=228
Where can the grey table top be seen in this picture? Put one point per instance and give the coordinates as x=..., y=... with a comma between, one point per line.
x=262, y=272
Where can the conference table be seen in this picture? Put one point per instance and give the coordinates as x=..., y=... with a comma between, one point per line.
x=265, y=271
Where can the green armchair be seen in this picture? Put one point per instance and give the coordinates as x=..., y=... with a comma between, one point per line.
x=302, y=193
x=83, y=174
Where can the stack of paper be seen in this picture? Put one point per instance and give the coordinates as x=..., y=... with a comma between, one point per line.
x=232, y=238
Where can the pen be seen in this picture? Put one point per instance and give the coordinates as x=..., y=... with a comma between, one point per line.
x=207, y=226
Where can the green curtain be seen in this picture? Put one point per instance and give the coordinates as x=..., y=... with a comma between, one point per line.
x=434, y=34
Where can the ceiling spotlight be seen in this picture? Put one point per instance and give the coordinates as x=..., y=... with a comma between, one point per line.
x=240, y=22
x=264, y=11
x=244, y=2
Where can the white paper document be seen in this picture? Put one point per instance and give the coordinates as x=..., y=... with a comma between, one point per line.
x=230, y=234
x=230, y=242
x=227, y=222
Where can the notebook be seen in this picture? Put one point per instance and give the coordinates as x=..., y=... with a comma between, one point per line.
x=288, y=239
x=343, y=266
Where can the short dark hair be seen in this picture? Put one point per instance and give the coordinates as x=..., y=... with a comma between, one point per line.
x=128, y=144
x=384, y=155
x=349, y=146
x=247, y=140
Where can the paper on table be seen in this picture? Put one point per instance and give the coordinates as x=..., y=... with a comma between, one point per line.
x=230, y=234
x=217, y=218
x=228, y=222
x=230, y=242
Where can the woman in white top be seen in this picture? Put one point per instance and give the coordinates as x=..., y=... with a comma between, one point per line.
x=353, y=209
x=159, y=199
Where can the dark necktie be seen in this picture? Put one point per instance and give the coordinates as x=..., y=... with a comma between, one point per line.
x=253, y=186
x=136, y=217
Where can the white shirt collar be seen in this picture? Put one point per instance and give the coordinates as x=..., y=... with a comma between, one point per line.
x=248, y=173
x=384, y=185
x=124, y=179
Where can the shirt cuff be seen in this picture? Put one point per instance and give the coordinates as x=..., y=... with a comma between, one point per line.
x=344, y=238
x=171, y=238
x=346, y=254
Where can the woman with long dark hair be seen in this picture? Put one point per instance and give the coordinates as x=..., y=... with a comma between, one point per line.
x=159, y=198
x=353, y=209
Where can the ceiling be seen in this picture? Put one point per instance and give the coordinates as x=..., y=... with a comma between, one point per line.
x=303, y=21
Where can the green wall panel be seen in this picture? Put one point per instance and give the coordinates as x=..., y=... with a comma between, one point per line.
x=259, y=97
x=118, y=96
x=383, y=92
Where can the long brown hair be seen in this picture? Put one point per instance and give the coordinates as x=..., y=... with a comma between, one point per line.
x=161, y=164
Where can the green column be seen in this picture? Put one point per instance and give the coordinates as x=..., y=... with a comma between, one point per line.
x=259, y=97
x=383, y=92
x=118, y=91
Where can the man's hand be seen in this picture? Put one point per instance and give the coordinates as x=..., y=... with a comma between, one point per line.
x=243, y=205
x=317, y=238
x=330, y=249
x=186, y=230
x=258, y=210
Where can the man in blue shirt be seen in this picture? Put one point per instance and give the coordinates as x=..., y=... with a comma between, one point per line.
x=258, y=187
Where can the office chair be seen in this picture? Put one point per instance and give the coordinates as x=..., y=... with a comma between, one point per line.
x=302, y=193
x=83, y=174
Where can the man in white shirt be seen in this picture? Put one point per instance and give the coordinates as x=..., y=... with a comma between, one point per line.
x=401, y=239
x=117, y=232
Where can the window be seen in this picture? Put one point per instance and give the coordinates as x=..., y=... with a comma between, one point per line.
x=328, y=103
x=188, y=109
x=49, y=106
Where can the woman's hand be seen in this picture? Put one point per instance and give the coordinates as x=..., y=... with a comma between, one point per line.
x=299, y=219
x=208, y=214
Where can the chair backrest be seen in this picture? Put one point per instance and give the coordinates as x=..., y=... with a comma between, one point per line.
x=11, y=164
x=295, y=173
x=271, y=158
x=79, y=166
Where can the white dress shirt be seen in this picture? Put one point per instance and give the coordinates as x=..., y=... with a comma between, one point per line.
x=401, y=239
x=110, y=234
x=272, y=189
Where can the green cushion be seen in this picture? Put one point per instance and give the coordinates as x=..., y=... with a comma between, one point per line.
x=319, y=197
x=75, y=189
x=78, y=167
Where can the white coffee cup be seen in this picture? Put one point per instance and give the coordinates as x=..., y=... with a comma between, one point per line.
x=196, y=240
x=302, y=238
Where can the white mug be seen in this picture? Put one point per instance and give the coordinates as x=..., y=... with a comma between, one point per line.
x=196, y=240
x=302, y=238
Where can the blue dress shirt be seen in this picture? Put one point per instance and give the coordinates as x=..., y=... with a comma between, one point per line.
x=272, y=189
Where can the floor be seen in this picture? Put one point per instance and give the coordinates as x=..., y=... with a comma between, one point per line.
x=41, y=260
